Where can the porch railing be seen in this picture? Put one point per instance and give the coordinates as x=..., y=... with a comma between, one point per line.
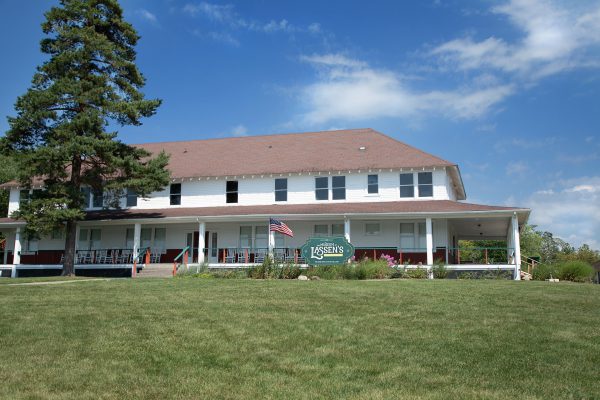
x=96, y=256
x=482, y=255
x=250, y=255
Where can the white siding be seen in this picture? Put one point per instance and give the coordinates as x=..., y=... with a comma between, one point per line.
x=13, y=200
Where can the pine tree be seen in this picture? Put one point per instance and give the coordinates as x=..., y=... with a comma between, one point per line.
x=61, y=137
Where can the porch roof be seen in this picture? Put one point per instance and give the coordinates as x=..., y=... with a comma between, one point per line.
x=364, y=209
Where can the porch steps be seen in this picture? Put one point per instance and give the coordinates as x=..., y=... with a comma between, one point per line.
x=156, y=271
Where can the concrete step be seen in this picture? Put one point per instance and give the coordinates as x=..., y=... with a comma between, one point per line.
x=156, y=271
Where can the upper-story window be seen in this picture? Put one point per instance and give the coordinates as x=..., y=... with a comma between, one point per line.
x=373, y=184
x=97, y=198
x=87, y=196
x=131, y=200
x=338, y=187
x=231, y=192
x=407, y=187
x=322, y=188
x=175, y=194
x=23, y=196
x=425, y=184
x=281, y=185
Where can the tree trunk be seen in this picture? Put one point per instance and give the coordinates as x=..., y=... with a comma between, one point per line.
x=70, y=242
x=71, y=228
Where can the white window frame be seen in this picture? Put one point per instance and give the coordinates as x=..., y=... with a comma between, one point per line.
x=373, y=233
x=417, y=236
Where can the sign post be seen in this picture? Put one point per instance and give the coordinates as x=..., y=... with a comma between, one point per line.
x=327, y=250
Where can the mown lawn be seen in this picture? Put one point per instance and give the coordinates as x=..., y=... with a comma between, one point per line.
x=227, y=339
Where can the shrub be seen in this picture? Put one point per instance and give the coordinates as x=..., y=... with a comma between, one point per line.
x=416, y=273
x=575, y=271
x=467, y=275
x=439, y=271
x=398, y=273
x=541, y=272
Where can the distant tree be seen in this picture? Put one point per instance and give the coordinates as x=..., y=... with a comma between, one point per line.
x=59, y=136
x=531, y=241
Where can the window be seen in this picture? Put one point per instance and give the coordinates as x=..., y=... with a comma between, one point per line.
x=245, y=237
x=407, y=188
x=261, y=237
x=407, y=236
x=322, y=188
x=87, y=196
x=413, y=236
x=90, y=239
x=338, y=187
x=279, y=240
x=231, y=192
x=145, y=239
x=321, y=230
x=175, y=194
x=31, y=244
x=57, y=234
x=160, y=238
x=422, y=236
x=372, y=228
x=97, y=198
x=281, y=189
x=128, y=238
x=373, y=184
x=337, y=229
x=23, y=196
x=425, y=184
x=131, y=198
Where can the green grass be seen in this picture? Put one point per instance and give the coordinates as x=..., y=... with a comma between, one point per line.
x=226, y=339
x=8, y=281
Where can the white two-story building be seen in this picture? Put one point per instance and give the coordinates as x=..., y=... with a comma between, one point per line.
x=383, y=195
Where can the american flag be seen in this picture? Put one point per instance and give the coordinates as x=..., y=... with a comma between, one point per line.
x=278, y=226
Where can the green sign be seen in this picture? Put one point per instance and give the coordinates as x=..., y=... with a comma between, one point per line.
x=327, y=250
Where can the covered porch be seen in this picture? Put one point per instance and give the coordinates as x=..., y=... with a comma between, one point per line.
x=241, y=241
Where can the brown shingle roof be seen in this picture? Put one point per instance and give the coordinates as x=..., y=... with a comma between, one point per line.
x=424, y=206
x=292, y=152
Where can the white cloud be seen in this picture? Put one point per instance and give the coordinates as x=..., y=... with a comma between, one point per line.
x=239, y=131
x=349, y=89
x=554, y=39
x=572, y=212
x=147, y=15
x=516, y=168
x=225, y=15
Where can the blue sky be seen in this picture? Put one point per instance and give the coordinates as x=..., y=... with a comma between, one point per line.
x=509, y=90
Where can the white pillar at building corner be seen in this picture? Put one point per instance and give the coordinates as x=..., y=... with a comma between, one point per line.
x=137, y=233
x=201, y=233
x=347, y=229
x=17, y=248
x=516, y=242
x=429, y=239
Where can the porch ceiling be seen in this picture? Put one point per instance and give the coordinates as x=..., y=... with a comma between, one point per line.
x=481, y=228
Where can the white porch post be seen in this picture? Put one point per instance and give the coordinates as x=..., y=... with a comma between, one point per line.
x=137, y=233
x=516, y=241
x=17, y=248
x=429, y=238
x=347, y=228
x=201, y=233
x=271, y=243
x=16, y=253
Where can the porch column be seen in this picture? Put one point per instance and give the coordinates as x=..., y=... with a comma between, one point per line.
x=271, y=243
x=201, y=233
x=77, y=233
x=137, y=233
x=516, y=241
x=347, y=228
x=17, y=248
x=429, y=238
